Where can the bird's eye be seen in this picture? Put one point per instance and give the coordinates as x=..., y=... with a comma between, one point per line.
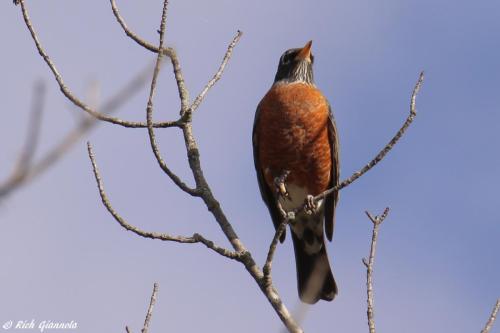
x=286, y=58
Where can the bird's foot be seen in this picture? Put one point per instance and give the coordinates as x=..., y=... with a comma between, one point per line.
x=279, y=183
x=310, y=205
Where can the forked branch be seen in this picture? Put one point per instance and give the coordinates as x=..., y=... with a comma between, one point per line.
x=382, y=153
x=377, y=221
x=196, y=238
x=68, y=93
x=289, y=216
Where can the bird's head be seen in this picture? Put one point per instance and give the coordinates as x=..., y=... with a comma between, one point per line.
x=296, y=66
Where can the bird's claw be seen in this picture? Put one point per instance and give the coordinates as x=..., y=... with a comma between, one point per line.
x=279, y=183
x=310, y=206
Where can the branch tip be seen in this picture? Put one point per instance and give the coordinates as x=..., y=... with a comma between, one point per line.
x=377, y=220
x=492, y=318
x=383, y=152
x=196, y=103
x=149, y=313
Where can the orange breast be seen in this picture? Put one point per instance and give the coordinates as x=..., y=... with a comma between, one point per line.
x=292, y=130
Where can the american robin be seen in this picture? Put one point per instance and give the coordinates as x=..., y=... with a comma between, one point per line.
x=294, y=134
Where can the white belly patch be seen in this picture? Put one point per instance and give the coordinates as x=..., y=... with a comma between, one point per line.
x=297, y=197
x=308, y=228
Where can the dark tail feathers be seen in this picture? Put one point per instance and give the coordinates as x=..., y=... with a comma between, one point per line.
x=314, y=277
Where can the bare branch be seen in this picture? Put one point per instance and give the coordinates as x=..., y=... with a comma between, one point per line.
x=169, y=52
x=179, y=79
x=130, y=33
x=150, y=308
x=266, y=269
x=15, y=181
x=380, y=218
x=23, y=164
x=119, y=219
x=382, y=153
x=219, y=73
x=196, y=238
x=127, y=90
x=161, y=162
x=67, y=92
x=33, y=128
x=240, y=256
x=194, y=162
x=149, y=114
x=492, y=318
x=280, y=190
x=377, y=221
x=149, y=313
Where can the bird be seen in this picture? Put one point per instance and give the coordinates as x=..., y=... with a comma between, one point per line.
x=295, y=138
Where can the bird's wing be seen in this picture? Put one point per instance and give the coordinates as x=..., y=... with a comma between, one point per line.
x=332, y=199
x=266, y=193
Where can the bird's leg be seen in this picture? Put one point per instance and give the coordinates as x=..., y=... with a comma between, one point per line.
x=279, y=183
x=310, y=205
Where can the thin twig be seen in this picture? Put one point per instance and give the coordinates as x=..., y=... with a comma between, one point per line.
x=67, y=92
x=219, y=73
x=492, y=318
x=130, y=33
x=15, y=181
x=150, y=308
x=196, y=238
x=24, y=162
x=266, y=269
x=381, y=154
x=369, y=267
x=171, y=53
x=280, y=190
x=179, y=79
x=167, y=51
x=149, y=113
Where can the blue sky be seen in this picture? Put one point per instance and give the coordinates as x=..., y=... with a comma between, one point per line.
x=64, y=258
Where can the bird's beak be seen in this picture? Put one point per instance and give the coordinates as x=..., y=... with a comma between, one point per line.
x=305, y=52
